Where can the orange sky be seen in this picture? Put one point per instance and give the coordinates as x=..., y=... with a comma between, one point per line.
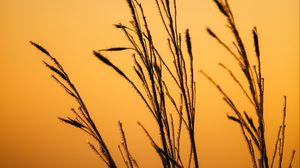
x=30, y=102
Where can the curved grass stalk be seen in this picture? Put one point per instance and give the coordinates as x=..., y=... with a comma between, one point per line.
x=252, y=131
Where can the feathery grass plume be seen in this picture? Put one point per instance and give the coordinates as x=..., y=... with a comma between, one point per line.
x=250, y=121
x=251, y=133
x=234, y=119
x=72, y=122
x=43, y=50
x=149, y=66
x=107, y=62
x=210, y=32
x=188, y=41
x=116, y=49
x=222, y=7
x=82, y=120
x=256, y=44
x=56, y=71
x=156, y=92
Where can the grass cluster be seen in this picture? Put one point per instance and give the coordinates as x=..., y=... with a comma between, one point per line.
x=253, y=131
x=155, y=90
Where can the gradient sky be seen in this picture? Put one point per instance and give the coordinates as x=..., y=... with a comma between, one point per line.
x=30, y=101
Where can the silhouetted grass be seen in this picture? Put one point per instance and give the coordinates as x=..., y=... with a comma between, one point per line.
x=149, y=67
x=253, y=132
x=154, y=90
x=82, y=118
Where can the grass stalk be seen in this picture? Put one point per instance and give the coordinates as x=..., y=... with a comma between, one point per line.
x=253, y=132
x=82, y=120
x=154, y=90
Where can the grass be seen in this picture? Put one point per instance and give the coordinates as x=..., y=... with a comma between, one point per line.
x=82, y=119
x=253, y=131
x=149, y=67
x=155, y=91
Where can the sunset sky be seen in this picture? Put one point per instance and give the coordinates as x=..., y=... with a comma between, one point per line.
x=31, y=136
